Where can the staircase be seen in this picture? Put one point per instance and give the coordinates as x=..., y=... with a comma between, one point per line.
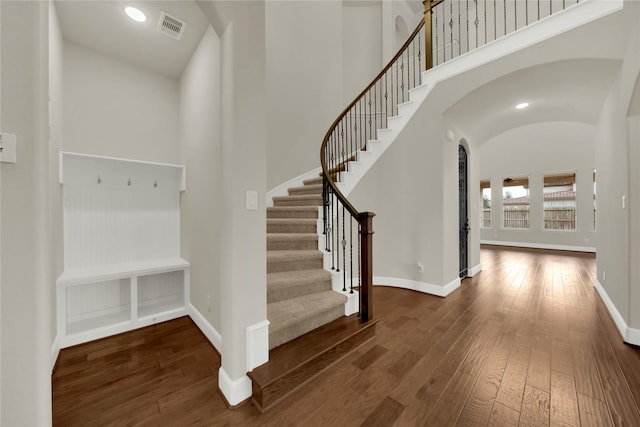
x=299, y=294
x=308, y=329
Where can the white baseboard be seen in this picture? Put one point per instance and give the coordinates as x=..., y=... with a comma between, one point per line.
x=257, y=344
x=428, y=288
x=629, y=335
x=209, y=331
x=474, y=270
x=282, y=189
x=539, y=246
x=235, y=391
x=55, y=351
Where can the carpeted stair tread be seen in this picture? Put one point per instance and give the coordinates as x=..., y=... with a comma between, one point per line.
x=306, y=189
x=313, y=181
x=290, y=260
x=293, y=317
x=292, y=241
x=293, y=284
x=292, y=212
x=303, y=200
x=292, y=225
x=284, y=237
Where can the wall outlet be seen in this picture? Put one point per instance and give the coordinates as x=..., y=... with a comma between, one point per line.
x=209, y=302
x=604, y=275
x=420, y=267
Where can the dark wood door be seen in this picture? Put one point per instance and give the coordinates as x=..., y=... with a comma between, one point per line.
x=462, y=203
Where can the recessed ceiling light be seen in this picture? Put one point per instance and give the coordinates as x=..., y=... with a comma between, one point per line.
x=135, y=14
x=522, y=105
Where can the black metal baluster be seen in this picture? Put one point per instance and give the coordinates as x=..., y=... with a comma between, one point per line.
x=451, y=26
x=419, y=55
x=356, y=139
x=485, y=21
x=413, y=63
x=515, y=14
x=351, y=251
x=538, y=10
x=386, y=95
x=526, y=15
x=375, y=110
x=495, y=22
x=444, y=35
x=459, y=31
x=436, y=33
x=370, y=120
x=344, y=256
x=476, y=22
x=337, y=227
x=359, y=270
x=359, y=144
x=402, y=77
x=505, y=17
x=468, y=47
x=393, y=105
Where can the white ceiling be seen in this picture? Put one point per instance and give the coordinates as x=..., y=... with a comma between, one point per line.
x=103, y=26
x=565, y=78
x=570, y=90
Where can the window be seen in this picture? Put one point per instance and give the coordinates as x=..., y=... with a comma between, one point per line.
x=515, y=202
x=485, y=195
x=560, y=201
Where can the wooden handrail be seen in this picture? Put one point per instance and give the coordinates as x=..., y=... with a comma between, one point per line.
x=352, y=210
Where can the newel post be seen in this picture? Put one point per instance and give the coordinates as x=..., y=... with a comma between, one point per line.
x=427, y=35
x=366, y=259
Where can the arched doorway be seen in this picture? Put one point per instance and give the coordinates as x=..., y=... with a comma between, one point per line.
x=463, y=212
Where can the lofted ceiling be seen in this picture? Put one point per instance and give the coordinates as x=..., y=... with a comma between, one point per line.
x=571, y=90
x=564, y=78
x=102, y=26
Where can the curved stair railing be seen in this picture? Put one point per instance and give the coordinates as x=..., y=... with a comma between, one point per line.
x=451, y=28
x=346, y=230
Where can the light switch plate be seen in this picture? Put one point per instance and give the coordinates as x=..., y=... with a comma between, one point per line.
x=252, y=200
x=7, y=148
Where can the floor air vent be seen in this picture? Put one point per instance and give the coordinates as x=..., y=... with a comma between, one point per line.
x=173, y=27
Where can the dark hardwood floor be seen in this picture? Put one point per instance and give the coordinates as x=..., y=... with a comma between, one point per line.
x=525, y=342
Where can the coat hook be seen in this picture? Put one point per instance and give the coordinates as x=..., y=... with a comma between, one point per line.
x=155, y=184
x=99, y=180
x=129, y=182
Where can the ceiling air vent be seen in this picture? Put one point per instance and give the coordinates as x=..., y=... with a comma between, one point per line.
x=173, y=27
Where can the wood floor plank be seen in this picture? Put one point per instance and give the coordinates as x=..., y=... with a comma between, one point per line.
x=535, y=407
x=526, y=341
x=593, y=412
x=503, y=416
x=513, y=381
x=564, y=401
x=385, y=414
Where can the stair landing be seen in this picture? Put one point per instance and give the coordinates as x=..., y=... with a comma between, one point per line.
x=296, y=362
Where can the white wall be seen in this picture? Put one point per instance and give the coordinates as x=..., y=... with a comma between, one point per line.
x=361, y=47
x=25, y=268
x=304, y=75
x=112, y=108
x=241, y=28
x=201, y=207
x=56, y=106
x=406, y=190
x=616, y=162
x=533, y=151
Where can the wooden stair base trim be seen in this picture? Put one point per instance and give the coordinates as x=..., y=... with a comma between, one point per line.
x=266, y=396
